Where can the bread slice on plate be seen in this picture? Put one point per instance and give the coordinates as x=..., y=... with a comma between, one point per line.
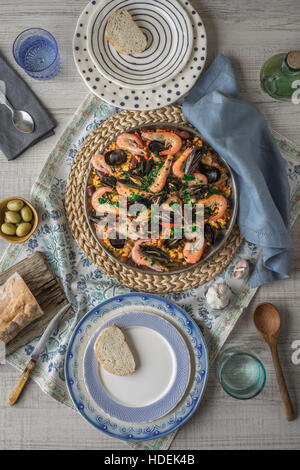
x=113, y=352
x=124, y=34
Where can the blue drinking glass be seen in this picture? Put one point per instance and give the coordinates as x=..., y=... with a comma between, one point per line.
x=36, y=51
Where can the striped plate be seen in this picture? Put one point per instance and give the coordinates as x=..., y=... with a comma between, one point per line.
x=169, y=34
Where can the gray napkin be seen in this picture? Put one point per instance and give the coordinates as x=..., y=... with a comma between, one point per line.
x=13, y=142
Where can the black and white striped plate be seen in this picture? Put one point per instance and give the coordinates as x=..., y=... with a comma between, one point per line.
x=169, y=34
x=155, y=97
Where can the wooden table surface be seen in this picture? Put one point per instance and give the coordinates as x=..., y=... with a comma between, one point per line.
x=248, y=32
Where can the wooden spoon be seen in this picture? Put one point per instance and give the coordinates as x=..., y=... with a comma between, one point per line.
x=267, y=322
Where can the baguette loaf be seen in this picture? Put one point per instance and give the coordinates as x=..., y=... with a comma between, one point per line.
x=124, y=34
x=113, y=352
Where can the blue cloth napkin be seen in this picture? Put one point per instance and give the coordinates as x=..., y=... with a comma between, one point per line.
x=239, y=133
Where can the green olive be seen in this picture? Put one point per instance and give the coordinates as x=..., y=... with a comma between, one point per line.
x=26, y=214
x=12, y=217
x=8, y=229
x=23, y=229
x=15, y=205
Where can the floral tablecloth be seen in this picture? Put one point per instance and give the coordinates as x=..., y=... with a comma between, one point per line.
x=85, y=286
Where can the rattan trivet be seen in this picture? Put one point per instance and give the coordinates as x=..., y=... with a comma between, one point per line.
x=96, y=141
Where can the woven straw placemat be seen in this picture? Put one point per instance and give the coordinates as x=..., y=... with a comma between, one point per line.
x=96, y=141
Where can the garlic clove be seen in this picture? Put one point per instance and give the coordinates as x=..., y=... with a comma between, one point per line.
x=241, y=269
x=218, y=296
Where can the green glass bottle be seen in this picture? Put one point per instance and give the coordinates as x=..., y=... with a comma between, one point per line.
x=279, y=76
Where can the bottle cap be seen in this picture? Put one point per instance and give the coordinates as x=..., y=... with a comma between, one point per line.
x=293, y=60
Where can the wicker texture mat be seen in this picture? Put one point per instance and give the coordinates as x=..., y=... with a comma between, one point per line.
x=96, y=141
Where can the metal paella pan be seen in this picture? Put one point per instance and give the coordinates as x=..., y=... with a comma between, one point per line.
x=143, y=168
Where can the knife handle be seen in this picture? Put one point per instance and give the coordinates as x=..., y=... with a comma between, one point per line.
x=21, y=383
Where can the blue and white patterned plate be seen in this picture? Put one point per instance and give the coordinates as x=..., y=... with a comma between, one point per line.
x=74, y=373
x=161, y=376
x=169, y=34
x=127, y=98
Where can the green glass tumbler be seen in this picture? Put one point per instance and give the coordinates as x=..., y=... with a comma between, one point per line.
x=240, y=373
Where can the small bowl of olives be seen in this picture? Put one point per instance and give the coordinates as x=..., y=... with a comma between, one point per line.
x=18, y=219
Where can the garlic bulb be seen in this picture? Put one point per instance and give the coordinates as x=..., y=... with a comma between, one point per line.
x=241, y=269
x=218, y=296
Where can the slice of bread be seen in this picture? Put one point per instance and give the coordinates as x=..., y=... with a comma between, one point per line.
x=113, y=352
x=124, y=34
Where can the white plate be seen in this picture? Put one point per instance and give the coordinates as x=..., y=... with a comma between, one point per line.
x=169, y=43
x=162, y=370
x=153, y=98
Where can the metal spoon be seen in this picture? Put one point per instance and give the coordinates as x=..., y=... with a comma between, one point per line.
x=267, y=322
x=21, y=119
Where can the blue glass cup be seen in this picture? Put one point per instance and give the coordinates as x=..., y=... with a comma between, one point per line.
x=36, y=51
x=240, y=373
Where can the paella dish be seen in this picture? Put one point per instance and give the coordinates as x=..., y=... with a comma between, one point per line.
x=145, y=181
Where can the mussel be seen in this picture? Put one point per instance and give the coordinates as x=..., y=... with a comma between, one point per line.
x=141, y=200
x=209, y=234
x=194, y=190
x=212, y=173
x=156, y=147
x=173, y=184
x=131, y=183
x=193, y=160
x=158, y=198
x=172, y=243
x=110, y=181
x=134, y=179
x=146, y=166
x=115, y=157
x=155, y=253
x=117, y=242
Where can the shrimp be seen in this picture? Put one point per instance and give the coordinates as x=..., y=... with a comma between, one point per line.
x=143, y=260
x=99, y=163
x=193, y=251
x=199, y=179
x=162, y=175
x=138, y=227
x=128, y=191
x=131, y=142
x=178, y=169
x=105, y=206
x=215, y=201
x=169, y=137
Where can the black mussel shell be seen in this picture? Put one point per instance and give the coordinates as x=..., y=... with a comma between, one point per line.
x=155, y=253
x=212, y=173
x=172, y=243
x=109, y=181
x=146, y=166
x=135, y=179
x=117, y=242
x=194, y=190
x=209, y=234
x=115, y=157
x=158, y=198
x=173, y=184
x=156, y=146
x=193, y=160
x=129, y=183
